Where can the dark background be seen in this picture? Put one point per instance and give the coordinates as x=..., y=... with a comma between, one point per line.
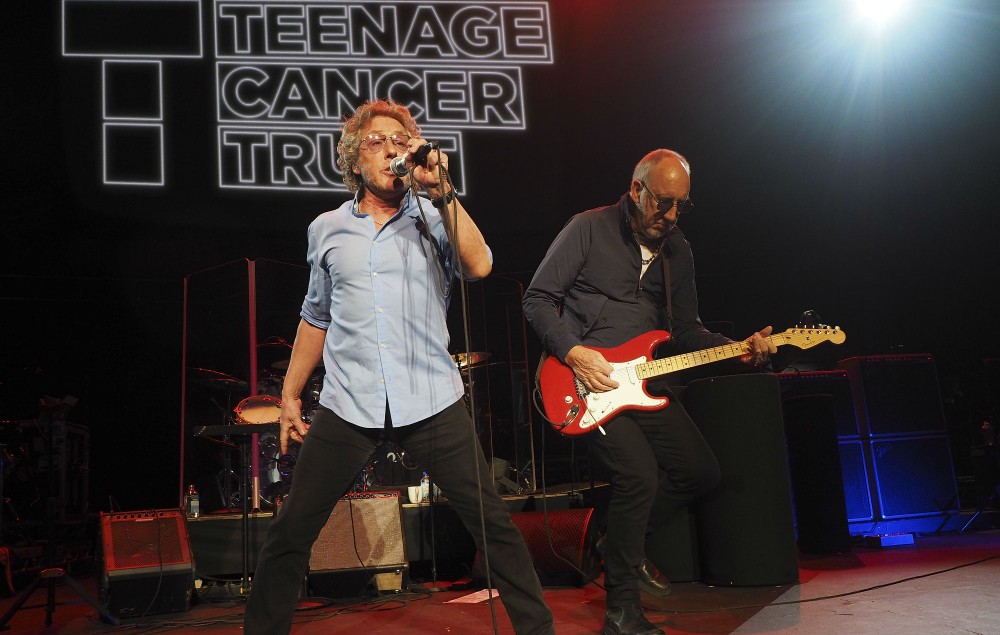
x=831, y=171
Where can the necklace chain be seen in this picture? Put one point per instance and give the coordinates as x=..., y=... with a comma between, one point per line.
x=654, y=253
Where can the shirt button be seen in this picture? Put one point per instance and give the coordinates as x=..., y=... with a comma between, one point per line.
x=381, y=345
x=379, y=310
x=381, y=381
x=375, y=274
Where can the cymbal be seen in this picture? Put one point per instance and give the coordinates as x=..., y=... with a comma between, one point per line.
x=216, y=379
x=470, y=359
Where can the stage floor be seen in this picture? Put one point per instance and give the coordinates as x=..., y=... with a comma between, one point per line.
x=941, y=585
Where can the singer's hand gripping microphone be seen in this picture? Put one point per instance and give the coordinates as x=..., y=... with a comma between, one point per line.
x=397, y=165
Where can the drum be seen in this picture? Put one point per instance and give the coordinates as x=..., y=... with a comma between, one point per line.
x=258, y=409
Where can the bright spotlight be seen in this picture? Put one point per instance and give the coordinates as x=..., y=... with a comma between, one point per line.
x=880, y=13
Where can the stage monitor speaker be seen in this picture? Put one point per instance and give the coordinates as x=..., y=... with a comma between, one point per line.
x=570, y=559
x=146, y=563
x=746, y=535
x=361, y=543
x=857, y=487
x=217, y=543
x=914, y=476
x=896, y=394
x=835, y=383
x=817, y=480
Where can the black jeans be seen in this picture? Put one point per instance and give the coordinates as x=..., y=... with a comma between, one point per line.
x=659, y=462
x=333, y=453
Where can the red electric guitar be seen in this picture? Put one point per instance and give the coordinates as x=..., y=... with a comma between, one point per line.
x=573, y=410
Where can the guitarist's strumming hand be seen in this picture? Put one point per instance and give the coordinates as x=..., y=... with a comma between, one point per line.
x=760, y=347
x=591, y=367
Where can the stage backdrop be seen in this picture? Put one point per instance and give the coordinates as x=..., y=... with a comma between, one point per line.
x=148, y=140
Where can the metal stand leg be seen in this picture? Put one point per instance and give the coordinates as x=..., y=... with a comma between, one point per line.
x=52, y=574
x=50, y=577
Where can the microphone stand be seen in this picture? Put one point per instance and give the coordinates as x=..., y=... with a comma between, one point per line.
x=50, y=574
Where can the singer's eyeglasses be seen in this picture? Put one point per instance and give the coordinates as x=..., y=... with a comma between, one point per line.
x=665, y=204
x=376, y=142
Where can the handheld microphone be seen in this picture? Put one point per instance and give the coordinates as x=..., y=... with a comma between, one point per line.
x=397, y=165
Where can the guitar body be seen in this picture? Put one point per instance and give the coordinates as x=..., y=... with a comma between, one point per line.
x=573, y=409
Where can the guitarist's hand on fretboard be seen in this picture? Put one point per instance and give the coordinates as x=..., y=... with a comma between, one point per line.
x=591, y=368
x=761, y=348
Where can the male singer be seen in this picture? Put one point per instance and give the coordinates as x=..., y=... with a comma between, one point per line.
x=382, y=268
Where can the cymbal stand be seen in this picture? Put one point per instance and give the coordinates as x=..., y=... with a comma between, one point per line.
x=246, y=446
x=50, y=574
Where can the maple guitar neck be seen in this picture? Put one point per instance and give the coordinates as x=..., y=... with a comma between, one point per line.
x=666, y=365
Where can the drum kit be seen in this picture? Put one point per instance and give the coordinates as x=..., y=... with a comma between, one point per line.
x=261, y=411
x=277, y=469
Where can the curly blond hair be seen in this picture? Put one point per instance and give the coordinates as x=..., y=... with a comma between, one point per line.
x=349, y=146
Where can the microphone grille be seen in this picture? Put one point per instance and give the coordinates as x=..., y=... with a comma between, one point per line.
x=397, y=165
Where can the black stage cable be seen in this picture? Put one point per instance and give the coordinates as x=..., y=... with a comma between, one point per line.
x=833, y=596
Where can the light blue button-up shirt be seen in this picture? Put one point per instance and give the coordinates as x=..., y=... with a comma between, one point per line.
x=382, y=297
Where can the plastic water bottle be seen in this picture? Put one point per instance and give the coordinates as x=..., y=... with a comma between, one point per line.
x=192, y=502
x=425, y=488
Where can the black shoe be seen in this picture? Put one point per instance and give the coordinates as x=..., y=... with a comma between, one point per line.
x=651, y=580
x=628, y=620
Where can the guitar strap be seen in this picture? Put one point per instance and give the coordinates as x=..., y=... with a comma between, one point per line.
x=667, y=292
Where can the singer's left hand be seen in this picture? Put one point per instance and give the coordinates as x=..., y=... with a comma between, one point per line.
x=427, y=175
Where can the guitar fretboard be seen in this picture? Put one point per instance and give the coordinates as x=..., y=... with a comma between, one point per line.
x=673, y=364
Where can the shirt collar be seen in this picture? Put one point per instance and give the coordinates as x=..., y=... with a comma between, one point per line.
x=406, y=205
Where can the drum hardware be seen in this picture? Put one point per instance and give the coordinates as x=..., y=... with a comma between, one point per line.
x=216, y=379
x=469, y=360
x=243, y=435
x=50, y=574
x=273, y=354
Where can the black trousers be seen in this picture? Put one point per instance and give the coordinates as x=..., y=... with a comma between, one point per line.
x=658, y=463
x=333, y=453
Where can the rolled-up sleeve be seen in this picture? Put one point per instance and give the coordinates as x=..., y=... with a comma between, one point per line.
x=316, y=304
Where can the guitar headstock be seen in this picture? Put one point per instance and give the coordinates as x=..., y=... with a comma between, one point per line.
x=809, y=336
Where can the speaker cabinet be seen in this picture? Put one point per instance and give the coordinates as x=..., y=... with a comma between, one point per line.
x=570, y=559
x=217, y=543
x=835, y=383
x=746, y=534
x=896, y=394
x=914, y=476
x=817, y=480
x=146, y=563
x=361, y=543
x=857, y=488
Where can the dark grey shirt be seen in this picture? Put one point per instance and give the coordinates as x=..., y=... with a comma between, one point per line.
x=588, y=290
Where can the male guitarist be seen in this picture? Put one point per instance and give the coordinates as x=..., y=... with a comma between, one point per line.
x=600, y=285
